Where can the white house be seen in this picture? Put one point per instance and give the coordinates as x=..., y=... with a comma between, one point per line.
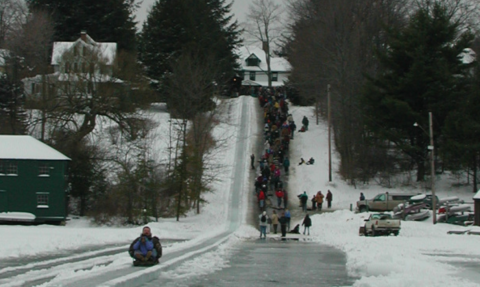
x=253, y=62
x=84, y=61
x=84, y=56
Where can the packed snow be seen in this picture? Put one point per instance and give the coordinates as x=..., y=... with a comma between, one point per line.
x=422, y=255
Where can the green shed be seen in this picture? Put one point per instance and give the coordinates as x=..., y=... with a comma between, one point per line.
x=33, y=180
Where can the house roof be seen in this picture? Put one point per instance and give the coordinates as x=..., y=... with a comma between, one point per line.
x=3, y=54
x=106, y=50
x=277, y=64
x=27, y=147
x=477, y=195
x=468, y=56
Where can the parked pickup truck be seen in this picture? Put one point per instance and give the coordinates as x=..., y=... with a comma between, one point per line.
x=383, y=202
x=380, y=224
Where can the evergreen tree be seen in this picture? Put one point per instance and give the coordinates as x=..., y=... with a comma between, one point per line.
x=104, y=21
x=422, y=73
x=12, y=100
x=462, y=130
x=201, y=26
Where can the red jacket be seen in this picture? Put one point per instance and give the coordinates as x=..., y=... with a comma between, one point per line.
x=279, y=193
x=261, y=195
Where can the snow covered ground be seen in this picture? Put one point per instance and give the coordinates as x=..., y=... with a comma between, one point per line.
x=422, y=255
x=419, y=256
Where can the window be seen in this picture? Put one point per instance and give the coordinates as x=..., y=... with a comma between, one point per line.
x=75, y=67
x=252, y=76
x=92, y=68
x=253, y=62
x=11, y=168
x=380, y=197
x=33, y=88
x=67, y=67
x=274, y=76
x=42, y=199
x=43, y=169
x=84, y=67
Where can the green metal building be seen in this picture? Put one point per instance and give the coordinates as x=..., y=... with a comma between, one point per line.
x=33, y=181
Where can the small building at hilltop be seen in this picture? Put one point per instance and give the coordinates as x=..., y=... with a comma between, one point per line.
x=33, y=181
x=254, y=70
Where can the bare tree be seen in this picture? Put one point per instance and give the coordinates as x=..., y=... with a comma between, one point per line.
x=13, y=14
x=264, y=25
x=191, y=86
x=333, y=42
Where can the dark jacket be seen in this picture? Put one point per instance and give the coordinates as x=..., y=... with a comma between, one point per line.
x=307, y=221
x=329, y=196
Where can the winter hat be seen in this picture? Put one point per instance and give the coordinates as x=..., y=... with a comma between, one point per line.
x=264, y=213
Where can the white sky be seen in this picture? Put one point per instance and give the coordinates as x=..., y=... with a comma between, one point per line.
x=239, y=9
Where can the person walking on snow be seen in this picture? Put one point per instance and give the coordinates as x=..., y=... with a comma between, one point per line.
x=303, y=200
x=286, y=164
x=275, y=221
x=293, y=126
x=284, y=223
x=288, y=216
x=279, y=193
x=305, y=122
x=263, y=223
x=252, y=161
x=307, y=222
x=319, y=198
x=314, y=202
x=261, y=200
x=329, y=198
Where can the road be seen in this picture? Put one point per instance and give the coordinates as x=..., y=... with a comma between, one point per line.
x=254, y=261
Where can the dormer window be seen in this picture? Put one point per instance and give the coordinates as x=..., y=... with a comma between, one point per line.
x=252, y=61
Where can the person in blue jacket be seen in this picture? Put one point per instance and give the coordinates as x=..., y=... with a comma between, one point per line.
x=146, y=249
x=143, y=249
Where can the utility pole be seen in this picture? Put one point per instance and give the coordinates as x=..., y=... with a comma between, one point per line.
x=329, y=136
x=184, y=168
x=432, y=164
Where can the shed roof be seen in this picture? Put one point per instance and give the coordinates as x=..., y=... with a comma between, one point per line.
x=27, y=147
x=477, y=195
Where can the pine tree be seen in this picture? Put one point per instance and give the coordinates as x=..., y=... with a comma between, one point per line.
x=462, y=130
x=202, y=27
x=12, y=100
x=422, y=73
x=104, y=21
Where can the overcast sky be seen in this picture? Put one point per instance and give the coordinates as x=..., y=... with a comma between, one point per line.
x=239, y=9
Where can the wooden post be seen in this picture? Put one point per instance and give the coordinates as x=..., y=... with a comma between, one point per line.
x=329, y=136
x=432, y=164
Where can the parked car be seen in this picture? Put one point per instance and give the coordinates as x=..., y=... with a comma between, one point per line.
x=380, y=224
x=383, y=202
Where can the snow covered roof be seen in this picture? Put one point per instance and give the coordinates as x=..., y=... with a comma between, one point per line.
x=17, y=216
x=3, y=54
x=477, y=195
x=106, y=50
x=468, y=56
x=98, y=78
x=277, y=64
x=27, y=147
